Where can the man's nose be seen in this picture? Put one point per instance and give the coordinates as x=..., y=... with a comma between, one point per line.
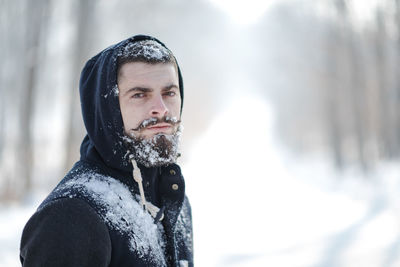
x=158, y=107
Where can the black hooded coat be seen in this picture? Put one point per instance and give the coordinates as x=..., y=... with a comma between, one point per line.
x=93, y=216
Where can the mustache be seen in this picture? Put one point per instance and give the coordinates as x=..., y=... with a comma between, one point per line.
x=153, y=121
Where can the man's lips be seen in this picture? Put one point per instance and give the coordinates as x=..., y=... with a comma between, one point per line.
x=159, y=126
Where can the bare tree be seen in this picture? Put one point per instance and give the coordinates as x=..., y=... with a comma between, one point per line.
x=3, y=47
x=358, y=96
x=85, y=11
x=333, y=88
x=347, y=90
x=36, y=14
x=396, y=86
x=2, y=122
x=383, y=91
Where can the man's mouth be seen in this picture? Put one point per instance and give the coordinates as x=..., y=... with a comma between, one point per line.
x=162, y=124
x=159, y=127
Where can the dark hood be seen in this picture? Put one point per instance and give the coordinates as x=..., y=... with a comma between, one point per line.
x=100, y=108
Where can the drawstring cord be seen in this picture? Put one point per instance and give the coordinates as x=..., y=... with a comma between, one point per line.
x=154, y=211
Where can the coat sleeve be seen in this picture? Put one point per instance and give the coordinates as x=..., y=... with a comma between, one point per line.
x=65, y=233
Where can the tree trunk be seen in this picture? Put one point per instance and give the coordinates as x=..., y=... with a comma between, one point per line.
x=36, y=13
x=84, y=27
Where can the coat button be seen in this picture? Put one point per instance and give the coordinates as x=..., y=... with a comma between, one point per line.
x=175, y=187
x=172, y=172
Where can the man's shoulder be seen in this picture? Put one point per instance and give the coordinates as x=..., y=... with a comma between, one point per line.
x=63, y=228
x=61, y=211
x=72, y=184
x=114, y=201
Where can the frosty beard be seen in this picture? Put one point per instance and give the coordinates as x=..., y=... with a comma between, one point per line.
x=160, y=150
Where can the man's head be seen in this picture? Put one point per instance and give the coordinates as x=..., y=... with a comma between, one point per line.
x=150, y=101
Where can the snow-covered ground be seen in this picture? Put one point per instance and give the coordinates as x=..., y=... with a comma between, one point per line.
x=12, y=220
x=256, y=205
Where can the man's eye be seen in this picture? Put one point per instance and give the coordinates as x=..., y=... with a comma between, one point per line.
x=138, y=95
x=170, y=93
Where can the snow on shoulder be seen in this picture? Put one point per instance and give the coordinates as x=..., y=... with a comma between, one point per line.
x=122, y=212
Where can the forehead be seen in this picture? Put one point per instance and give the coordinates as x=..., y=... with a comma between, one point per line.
x=147, y=71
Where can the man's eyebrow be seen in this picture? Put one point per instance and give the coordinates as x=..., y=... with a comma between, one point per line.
x=169, y=87
x=139, y=89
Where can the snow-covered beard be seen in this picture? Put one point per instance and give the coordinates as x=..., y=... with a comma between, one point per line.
x=160, y=150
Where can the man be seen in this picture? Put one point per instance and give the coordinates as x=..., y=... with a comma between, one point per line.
x=123, y=203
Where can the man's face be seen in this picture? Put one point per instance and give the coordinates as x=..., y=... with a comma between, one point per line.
x=148, y=91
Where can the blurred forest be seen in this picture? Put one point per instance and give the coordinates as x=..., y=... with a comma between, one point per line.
x=332, y=79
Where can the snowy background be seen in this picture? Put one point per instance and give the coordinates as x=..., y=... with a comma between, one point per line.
x=291, y=115
x=260, y=206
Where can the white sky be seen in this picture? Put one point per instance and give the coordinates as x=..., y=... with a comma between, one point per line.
x=247, y=12
x=244, y=12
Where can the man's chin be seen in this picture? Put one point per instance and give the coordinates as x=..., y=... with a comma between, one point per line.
x=152, y=136
x=157, y=149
